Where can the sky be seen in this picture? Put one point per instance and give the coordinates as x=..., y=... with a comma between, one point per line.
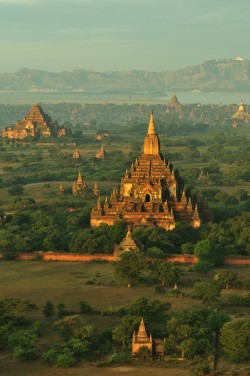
x=110, y=35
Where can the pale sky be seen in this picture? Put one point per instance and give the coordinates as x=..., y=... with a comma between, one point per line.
x=108, y=35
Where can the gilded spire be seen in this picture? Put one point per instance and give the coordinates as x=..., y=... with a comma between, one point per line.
x=79, y=179
x=151, y=125
x=151, y=141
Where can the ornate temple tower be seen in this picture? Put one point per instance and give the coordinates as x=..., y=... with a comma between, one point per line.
x=79, y=186
x=140, y=339
x=150, y=193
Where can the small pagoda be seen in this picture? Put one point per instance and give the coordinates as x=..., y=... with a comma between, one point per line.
x=127, y=245
x=79, y=186
x=101, y=154
x=96, y=190
x=141, y=339
x=76, y=157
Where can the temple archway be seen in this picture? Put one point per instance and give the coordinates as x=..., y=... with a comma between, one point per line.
x=147, y=198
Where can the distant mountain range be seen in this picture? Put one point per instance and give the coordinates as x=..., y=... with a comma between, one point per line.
x=231, y=75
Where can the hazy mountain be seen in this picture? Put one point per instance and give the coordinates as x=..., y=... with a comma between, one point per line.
x=214, y=75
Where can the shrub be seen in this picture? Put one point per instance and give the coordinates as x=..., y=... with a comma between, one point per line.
x=119, y=358
x=160, y=290
x=239, y=300
x=202, y=267
x=202, y=369
x=114, y=311
x=59, y=355
x=85, y=307
x=48, y=309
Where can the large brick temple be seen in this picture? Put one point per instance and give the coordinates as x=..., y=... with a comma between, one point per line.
x=35, y=124
x=150, y=194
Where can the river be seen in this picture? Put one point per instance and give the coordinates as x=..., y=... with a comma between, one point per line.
x=33, y=97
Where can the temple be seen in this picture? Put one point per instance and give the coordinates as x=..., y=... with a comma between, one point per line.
x=127, y=245
x=35, y=124
x=96, y=190
x=79, y=186
x=150, y=194
x=174, y=103
x=76, y=157
x=101, y=154
x=140, y=339
x=241, y=113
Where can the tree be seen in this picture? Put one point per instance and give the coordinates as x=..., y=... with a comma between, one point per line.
x=165, y=272
x=4, y=333
x=73, y=326
x=85, y=307
x=123, y=332
x=16, y=190
x=14, y=310
x=150, y=310
x=188, y=335
x=23, y=343
x=206, y=250
x=48, y=309
x=225, y=278
x=235, y=339
x=130, y=267
x=144, y=353
x=208, y=292
x=60, y=355
x=61, y=310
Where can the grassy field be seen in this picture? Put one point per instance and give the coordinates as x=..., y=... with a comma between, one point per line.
x=68, y=282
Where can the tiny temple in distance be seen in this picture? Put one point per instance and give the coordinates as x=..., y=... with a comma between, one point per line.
x=150, y=194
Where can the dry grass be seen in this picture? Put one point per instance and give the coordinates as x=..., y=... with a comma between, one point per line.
x=9, y=367
x=66, y=282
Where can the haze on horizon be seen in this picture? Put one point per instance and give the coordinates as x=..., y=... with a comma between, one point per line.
x=108, y=35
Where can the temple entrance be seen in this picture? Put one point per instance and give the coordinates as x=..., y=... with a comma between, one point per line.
x=147, y=198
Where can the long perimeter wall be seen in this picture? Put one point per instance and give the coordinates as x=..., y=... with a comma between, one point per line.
x=53, y=256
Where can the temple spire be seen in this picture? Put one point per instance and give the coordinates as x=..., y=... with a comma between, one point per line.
x=151, y=141
x=151, y=125
x=79, y=179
